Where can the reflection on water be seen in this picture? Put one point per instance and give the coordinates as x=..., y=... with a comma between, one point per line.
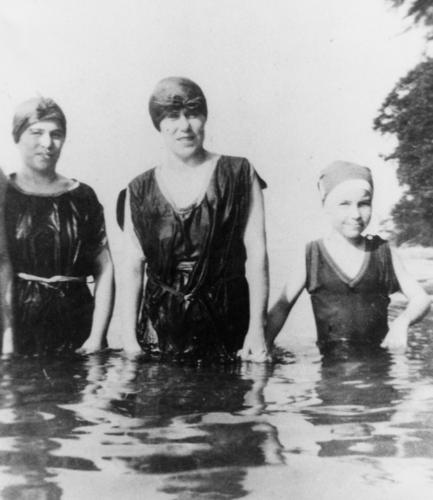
x=31, y=418
x=111, y=427
x=355, y=395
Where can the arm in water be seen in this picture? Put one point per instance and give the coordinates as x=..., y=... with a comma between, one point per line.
x=132, y=284
x=104, y=297
x=295, y=283
x=257, y=274
x=418, y=305
x=6, y=278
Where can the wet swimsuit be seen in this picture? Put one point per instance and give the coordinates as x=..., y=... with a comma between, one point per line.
x=196, y=294
x=53, y=242
x=354, y=310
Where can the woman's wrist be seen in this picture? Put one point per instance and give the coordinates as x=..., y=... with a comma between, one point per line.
x=258, y=323
x=96, y=337
x=256, y=332
x=404, y=317
x=7, y=341
x=129, y=335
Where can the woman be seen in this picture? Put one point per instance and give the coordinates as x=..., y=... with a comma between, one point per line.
x=196, y=223
x=56, y=236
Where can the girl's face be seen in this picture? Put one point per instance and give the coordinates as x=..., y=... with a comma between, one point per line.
x=40, y=145
x=348, y=207
x=183, y=132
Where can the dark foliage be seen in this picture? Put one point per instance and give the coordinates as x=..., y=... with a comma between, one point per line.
x=407, y=113
x=421, y=11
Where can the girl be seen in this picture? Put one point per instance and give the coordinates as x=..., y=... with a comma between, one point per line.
x=348, y=275
x=196, y=224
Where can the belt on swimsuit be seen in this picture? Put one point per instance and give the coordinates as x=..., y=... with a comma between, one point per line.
x=186, y=297
x=195, y=294
x=52, y=279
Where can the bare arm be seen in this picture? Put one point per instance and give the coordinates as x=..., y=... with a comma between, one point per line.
x=6, y=279
x=257, y=274
x=104, y=298
x=418, y=304
x=292, y=289
x=132, y=284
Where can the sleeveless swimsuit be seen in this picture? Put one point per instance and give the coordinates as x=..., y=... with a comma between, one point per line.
x=351, y=311
x=196, y=294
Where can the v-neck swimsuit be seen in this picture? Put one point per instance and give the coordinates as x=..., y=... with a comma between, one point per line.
x=353, y=311
x=196, y=293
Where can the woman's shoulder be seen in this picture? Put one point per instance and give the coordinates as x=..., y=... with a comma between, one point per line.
x=83, y=194
x=81, y=189
x=241, y=168
x=3, y=176
x=147, y=174
x=142, y=179
x=3, y=182
x=309, y=245
x=234, y=162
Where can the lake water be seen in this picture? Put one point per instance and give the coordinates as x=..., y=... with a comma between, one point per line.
x=106, y=426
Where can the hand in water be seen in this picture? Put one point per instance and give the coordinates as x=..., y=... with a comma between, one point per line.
x=397, y=335
x=254, y=348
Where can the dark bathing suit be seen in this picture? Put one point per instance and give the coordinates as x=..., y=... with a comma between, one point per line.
x=196, y=295
x=350, y=311
x=53, y=235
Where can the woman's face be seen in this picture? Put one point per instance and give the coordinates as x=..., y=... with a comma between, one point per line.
x=183, y=132
x=40, y=145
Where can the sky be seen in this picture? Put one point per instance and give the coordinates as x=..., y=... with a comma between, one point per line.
x=291, y=85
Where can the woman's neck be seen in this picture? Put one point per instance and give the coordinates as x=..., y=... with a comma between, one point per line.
x=46, y=182
x=36, y=178
x=178, y=163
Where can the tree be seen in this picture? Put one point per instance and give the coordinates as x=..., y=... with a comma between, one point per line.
x=407, y=113
x=420, y=10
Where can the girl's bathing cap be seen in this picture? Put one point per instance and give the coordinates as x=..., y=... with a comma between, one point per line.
x=341, y=171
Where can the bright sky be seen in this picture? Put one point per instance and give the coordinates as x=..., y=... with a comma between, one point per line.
x=292, y=85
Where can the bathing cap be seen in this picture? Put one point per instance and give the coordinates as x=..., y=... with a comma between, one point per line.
x=173, y=94
x=340, y=171
x=35, y=110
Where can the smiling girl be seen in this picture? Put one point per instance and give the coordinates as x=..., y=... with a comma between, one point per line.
x=348, y=275
x=195, y=224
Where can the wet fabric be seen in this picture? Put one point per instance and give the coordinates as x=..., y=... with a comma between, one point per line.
x=34, y=110
x=120, y=209
x=196, y=294
x=53, y=235
x=350, y=311
x=173, y=94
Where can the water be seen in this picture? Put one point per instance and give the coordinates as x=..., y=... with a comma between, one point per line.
x=106, y=426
